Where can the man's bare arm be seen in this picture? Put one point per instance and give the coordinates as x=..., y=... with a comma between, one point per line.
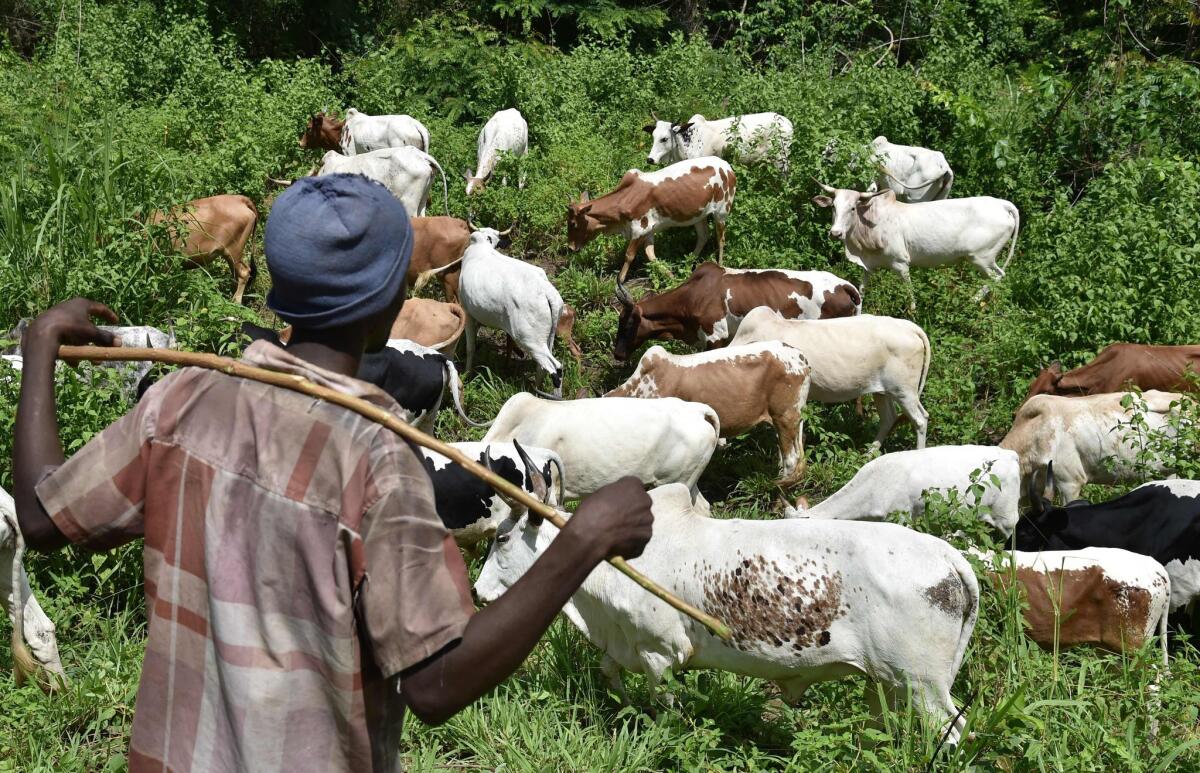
x=36, y=443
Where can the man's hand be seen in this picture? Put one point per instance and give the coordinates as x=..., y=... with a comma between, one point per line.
x=616, y=519
x=70, y=322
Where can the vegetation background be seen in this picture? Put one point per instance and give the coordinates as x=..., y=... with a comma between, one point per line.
x=1082, y=113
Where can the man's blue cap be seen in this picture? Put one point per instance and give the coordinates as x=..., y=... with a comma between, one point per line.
x=337, y=248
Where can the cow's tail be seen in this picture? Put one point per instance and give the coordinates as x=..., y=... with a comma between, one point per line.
x=970, y=588
x=947, y=183
x=1012, y=245
x=24, y=664
x=712, y=418
x=925, y=362
x=456, y=394
x=425, y=277
x=1162, y=626
x=562, y=491
x=445, y=187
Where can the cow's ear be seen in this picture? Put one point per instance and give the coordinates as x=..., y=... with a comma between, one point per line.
x=649, y=128
x=822, y=201
x=683, y=127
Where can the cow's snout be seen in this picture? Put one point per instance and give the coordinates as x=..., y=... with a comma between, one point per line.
x=649, y=160
x=836, y=233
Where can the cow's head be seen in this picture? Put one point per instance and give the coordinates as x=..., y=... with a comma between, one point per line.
x=1045, y=521
x=667, y=141
x=474, y=184
x=1046, y=382
x=490, y=236
x=848, y=207
x=640, y=321
x=323, y=131
x=582, y=226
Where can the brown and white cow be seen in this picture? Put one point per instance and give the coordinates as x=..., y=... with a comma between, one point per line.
x=1122, y=366
x=746, y=385
x=707, y=309
x=1104, y=597
x=211, y=228
x=438, y=242
x=686, y=193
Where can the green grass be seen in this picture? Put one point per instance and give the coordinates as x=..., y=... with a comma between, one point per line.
x=133, y=106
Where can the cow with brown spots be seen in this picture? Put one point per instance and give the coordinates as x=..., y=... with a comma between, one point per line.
x=746, y=386
x=682, y=194
x=1105, y=597
x=1120, y=367
x=807, y=601
x=707, y=309
x=214, y=228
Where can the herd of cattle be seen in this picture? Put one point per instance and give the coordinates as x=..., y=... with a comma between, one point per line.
x=828, y=590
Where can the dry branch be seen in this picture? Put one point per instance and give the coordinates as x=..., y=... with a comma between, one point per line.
x=379, y=415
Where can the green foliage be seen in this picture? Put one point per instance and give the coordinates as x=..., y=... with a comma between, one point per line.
x=1081, y=118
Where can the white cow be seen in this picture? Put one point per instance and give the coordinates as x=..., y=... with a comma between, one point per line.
x=364, y=133
x=855, y=356
x=749, y=138
x=603, y=439
x=898, y=482
x=880, y=232
x=1089, y=439
x=133, y=374
x=30, y=624
x=406, y=171
x=913, y=173
x=505, y=132
x=510, y=295
x=807, y=601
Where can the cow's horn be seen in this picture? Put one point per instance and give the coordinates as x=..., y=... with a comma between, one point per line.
x=824, y=187
x=654, y=115
x=1035, y=497
x=280, y=183
x=508, y=230
x=872, y=194
x=541, y=489
x=471, y=222
x=1050, y=480
x=623, y=295
x=585, y=197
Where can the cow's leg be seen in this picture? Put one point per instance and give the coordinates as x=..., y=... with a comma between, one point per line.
x=792, y=689
x=613, y=673
x=450, y=285
x=240, y=271
x=789, y=426
x=701, y=235
x=910, y=404
x=631, y=250
x=719, y=224
x=470, y=335
x=901, y=268
x=887, y=418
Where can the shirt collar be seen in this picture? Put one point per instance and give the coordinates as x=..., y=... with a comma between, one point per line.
x=265, y=354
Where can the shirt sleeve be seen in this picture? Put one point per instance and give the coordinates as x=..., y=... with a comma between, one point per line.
x=416, y=598
x=95, y=498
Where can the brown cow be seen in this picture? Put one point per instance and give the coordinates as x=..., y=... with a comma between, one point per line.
x=707, y=308
x=216, y=227
x=437, y=242
x=746, y=385
x=430, y=323
x=1105, y=597
x=686, y=193
x=1120, y=366
x=323, y=132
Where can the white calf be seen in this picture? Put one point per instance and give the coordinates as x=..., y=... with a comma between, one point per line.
x=603, y=439
x=510, y=295
x=855, y=356
x=808, y=601
x=898, y=482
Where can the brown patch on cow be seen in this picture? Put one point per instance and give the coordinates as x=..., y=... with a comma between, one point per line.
x=762, y=604
x=773, y=289
x=645, y=222
x=947, y=595
x=323, y=132
x=438, y=241
x=1120, y=366
x=1092, y=608
x=842, y=301
x=429, y=322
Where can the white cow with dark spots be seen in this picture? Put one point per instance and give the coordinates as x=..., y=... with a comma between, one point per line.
x=898, y=482
x=746, y=385
x=505, y=132
x=602, y=439
x=807, y=601
x=855, y=356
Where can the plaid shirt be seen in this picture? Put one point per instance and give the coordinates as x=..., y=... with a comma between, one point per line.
x=294, y=566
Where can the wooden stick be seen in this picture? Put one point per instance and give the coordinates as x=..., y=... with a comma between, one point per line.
x=380, y=415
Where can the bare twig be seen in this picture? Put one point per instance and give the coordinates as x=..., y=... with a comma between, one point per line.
x=379, y=415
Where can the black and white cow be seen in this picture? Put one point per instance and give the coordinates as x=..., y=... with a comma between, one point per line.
x=470, y=507
x=415, y=376
x=1160, y=520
